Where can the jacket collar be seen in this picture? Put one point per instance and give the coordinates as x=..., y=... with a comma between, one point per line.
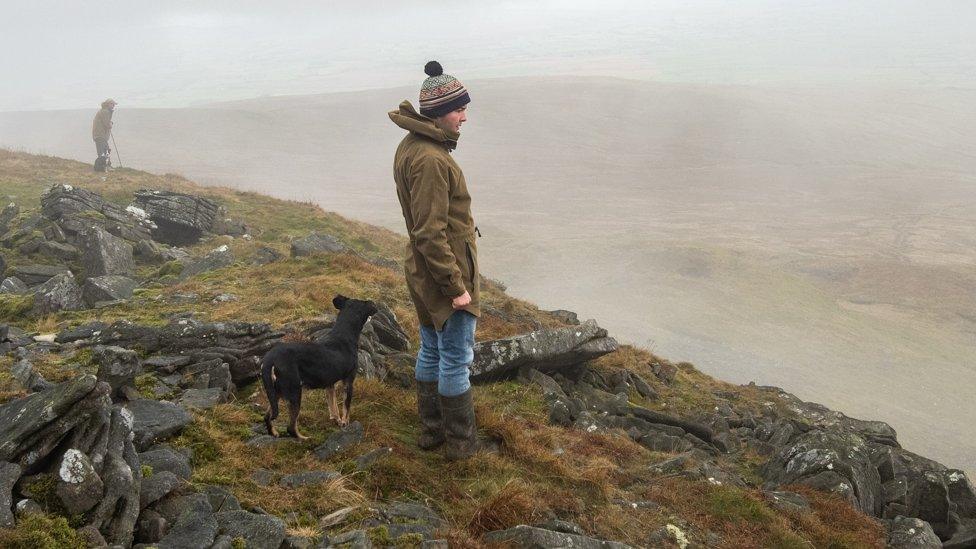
x=409, y=119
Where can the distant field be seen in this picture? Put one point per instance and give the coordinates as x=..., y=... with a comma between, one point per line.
x=818, y=239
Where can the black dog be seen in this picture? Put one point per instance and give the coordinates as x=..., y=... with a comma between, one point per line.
x=289, y=367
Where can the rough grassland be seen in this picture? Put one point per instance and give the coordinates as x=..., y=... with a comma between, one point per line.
x=541, y=472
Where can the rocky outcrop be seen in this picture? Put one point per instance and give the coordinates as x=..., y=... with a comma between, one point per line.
x=72, y=433
x=180, y=219
x=543, y=350
x=155, y=421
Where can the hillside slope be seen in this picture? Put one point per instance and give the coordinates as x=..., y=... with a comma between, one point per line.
x=628, y=447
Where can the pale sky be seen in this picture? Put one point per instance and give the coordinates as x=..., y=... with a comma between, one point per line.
x=71, y=54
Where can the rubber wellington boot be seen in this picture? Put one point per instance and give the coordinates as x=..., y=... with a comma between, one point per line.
x=431, y=421
x=459, y=426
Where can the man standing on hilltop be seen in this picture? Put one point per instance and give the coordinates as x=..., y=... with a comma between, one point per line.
x=442, y=260
x=102, y=130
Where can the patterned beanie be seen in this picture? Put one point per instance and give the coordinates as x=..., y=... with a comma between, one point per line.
x=441, y=93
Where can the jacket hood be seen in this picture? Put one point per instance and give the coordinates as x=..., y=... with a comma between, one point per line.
x=409, y=119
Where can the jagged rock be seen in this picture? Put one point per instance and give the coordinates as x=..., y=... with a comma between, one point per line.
x=61, y=200
x=530, y=536
x=201, y=399
x=193, y=520
x=27, y=378
x=388, y=330
x=316, y=243
x=9, y=473
x=912, y=533
x=294, y=541
x=106, y=254
x=830, y=461
x=563, y=526
x=26, y=229
x=13, y=285
x=116, y=366
x=544, y=350
x=820, y=417
x=156, y=421
x=166, y=364
x=217, y=259
x=162, y=458
x=59, y=293
x=221, y=499
x=32, y=274
x=306, y=478
x=180, y=219
x=58, y=250
x=157, y=486
x=340, y=440
x=91, y=536
x=84, y=331
x=24, y=422
x=961, y=492
x=258, y=531
x=54, y=233
x=117, y=512
x=239, y=339
x=78, y=485
x=107, y=288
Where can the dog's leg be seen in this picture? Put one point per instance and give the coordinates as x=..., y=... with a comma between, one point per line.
x=294, y=409
x=272, y=393
x=347, y=402
x=330, y=396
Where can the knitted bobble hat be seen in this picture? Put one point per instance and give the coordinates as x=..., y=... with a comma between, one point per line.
x=441, y=93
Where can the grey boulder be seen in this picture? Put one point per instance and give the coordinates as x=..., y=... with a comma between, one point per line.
x=545, y=350
x=107, y=288
x=106, y=254
x=59, y=293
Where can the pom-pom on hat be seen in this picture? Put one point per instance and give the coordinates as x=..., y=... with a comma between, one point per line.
x=441, y=93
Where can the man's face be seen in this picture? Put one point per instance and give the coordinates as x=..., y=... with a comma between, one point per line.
x=452, y=121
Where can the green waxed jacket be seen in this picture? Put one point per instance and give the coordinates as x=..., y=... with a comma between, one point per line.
x=442, y=256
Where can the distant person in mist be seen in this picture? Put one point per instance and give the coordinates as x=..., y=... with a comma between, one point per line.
x=441, y=266
x=102, y=128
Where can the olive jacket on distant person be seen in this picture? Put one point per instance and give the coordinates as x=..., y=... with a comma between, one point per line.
x=102, y=125
x=442, y=256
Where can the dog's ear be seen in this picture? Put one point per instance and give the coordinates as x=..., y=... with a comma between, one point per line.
x=339, y=301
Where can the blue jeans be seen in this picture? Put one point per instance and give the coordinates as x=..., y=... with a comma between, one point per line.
x=445, y=356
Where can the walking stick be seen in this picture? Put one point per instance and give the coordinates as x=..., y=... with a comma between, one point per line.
x=114, y=146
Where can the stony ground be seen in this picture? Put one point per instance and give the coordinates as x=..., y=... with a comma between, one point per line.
x=136, y=308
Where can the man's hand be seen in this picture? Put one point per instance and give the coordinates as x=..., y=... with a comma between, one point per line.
x=461, y=301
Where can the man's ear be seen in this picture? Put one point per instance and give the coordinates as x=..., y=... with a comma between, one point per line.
x=339, y=300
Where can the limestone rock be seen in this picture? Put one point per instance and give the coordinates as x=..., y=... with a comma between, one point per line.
x=180, y=219
x=544, y=350
x=156, y=421
x=107, y=288
x=78, y=485
x=106, y=254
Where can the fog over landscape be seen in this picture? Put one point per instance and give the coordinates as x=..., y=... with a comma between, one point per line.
x=779, y=193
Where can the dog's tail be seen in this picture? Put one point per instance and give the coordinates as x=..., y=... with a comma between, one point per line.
x=270, y=389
